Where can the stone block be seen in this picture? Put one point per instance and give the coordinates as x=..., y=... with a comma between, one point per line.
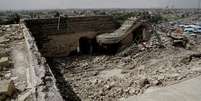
x=4, y=62
x=4, y=41
x=7, y=89
x=3, y=54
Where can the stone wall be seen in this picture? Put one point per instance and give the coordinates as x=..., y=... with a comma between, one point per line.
x=40, y=79
x=58, y=37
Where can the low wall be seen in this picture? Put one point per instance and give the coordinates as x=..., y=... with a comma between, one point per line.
x=59, y=36
x=41, y=81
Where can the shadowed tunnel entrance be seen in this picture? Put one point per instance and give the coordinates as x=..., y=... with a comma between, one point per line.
x=86, y=45
x=90, y=46
x=138, y=35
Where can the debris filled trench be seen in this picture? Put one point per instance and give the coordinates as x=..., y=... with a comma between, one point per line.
x=99, y=75
x=103, y=77
x=107, y=77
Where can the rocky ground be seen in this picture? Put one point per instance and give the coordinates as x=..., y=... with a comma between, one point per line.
x=9, y=36
x=131, y=72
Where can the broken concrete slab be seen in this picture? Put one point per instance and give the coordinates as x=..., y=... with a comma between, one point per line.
x=3, y=53
x=4, y=61
x=4, y=40
x=7, y=88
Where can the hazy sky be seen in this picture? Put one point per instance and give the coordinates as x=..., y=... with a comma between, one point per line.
x=45, y=4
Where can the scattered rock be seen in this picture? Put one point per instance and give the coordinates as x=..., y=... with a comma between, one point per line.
x=3, y=53
x=4, y=62
x=111, y=85
x=8, y=29
x=144, y=82
x=158, y=65
x=132, y=91
x=186, y=60
x=180, y=78
x=179, y=43
x=4, y=41
x=161, y=77
x=94, y=82
x=8, y=75
x=7, y=89
x=13, y=78
x=156, y=82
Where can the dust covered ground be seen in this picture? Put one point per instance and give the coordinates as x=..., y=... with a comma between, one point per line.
x=132, y=71
x=12, y=75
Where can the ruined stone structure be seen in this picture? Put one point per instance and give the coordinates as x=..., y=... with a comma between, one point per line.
x=40, y=78
x=58, y=37
x=133, y=29
x=27, y=76
x=61, y=36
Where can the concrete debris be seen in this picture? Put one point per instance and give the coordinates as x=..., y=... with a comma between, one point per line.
x=4, y=41
x=133, y=70
x=161, y=67
x=144, y=82
x=7, y=90
x=4, y=63
x=147, y=56
x=3, y=53
x=8, y=75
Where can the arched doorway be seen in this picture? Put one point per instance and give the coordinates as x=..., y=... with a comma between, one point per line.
x=86, y=45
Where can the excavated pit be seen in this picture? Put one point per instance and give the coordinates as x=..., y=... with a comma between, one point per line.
x=82, y=73
x=50, y=39
x=49, y=34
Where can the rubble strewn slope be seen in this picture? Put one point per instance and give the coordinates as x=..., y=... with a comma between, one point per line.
x=10, y=35
x=131, y=72
x=24, y=74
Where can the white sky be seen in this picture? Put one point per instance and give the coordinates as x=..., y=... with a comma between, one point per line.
x=48, y=4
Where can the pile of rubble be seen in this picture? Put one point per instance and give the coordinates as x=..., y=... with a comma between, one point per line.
x=9, y=34
x=132, y=71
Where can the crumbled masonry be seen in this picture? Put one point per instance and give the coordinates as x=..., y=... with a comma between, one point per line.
x=88, y=59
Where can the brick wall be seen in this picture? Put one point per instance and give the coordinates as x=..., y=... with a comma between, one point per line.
x=54, y=42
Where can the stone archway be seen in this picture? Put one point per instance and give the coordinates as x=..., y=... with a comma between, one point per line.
x=85, y=45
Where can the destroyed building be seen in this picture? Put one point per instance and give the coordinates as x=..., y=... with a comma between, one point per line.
x=53, y=59
x=65, y=35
